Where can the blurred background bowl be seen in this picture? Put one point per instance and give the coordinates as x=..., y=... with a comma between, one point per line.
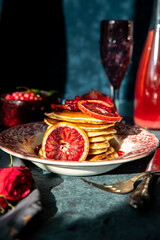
x=15, y=112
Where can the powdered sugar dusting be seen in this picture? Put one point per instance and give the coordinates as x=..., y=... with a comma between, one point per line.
x=135, y=141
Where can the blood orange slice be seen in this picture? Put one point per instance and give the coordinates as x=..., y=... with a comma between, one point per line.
x=99, y=109
x=66, y=142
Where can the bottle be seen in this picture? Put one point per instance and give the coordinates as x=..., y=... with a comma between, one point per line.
x=147, y=89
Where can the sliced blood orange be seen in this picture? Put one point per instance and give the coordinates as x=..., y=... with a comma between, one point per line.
x=99, y=109
x=66, y=142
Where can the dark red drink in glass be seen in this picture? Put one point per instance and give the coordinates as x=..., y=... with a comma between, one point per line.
x=116, y=50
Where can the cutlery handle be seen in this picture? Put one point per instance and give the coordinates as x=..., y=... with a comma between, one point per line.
x=140, y=197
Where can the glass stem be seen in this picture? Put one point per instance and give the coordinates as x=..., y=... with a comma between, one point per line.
x=115, y=97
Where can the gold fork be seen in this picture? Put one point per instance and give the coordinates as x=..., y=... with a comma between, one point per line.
x=120, y=187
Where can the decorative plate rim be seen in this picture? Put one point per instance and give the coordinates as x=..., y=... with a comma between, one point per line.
x=42, y=126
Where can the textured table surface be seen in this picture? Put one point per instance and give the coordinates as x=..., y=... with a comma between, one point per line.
x=74, y=210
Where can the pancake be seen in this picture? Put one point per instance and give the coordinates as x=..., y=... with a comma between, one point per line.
x=110, y=150
x=97, y=151
x=99, y=132
x=50, y=121
x=99, y=145
x=104, y=156
x=84, y=126
x=95, y=127
x=113, y=155
x=74, y=117
x=101, y=138
x=108, y=131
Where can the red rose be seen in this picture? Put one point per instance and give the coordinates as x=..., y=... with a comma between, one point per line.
x=15, y=182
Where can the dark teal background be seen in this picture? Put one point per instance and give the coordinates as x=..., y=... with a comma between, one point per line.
x=55, y=44
x=83, y=19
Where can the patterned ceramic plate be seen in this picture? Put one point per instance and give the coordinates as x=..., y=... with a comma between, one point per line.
x=21, y=141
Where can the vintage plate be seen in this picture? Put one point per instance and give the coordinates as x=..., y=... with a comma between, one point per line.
x=21, y=141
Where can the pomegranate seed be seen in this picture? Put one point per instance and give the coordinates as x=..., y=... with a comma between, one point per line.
x=69, y=107
x=26, y=95
x=37, y=148
x=71, y=101
x=67, y=101
x=15, y=98
x=76, y=101
x=120, y=153
x=75, y=108
x=77, y=97
x=71, y=104
x=23, y=96
x=8, y=96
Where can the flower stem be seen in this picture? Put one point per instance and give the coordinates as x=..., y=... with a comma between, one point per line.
x=1, y=195
x=10, y=205
x=11, y=160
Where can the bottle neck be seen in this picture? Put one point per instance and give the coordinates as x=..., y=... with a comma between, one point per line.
x=155, y=20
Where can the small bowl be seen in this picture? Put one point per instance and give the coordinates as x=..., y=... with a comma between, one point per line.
x=15, y=112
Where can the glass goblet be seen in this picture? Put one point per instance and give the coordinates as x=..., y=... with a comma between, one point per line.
x=116, y=43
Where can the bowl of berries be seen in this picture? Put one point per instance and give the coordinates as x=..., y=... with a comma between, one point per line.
x=24, y=106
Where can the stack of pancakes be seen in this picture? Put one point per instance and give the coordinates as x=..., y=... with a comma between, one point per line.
x=98, y=131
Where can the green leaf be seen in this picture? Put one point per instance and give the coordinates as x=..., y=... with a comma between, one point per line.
x=51, y=92
x=38, y=91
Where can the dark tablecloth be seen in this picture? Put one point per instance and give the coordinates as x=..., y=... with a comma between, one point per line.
x=71, y=209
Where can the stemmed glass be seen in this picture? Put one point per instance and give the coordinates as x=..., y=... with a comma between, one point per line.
x=116, y=45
